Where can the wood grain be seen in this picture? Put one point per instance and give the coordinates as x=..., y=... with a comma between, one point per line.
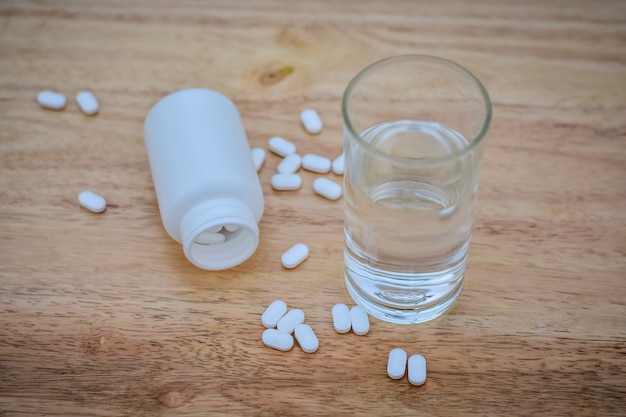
x=101, y=315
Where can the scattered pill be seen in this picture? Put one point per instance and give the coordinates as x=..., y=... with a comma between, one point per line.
x=290, y=321
x=360, y=320
x=316, y=163
x=447, y=212
x=208, y=238
x=327, y=188
x=92, y=201
x=290, y=165
x=417, y=370
x=341, y=318
x=51, y=100
x=295, y=255
x=338, y=165
x=87, y=102
x=311, y=121
x=231, y=227
x=258, y=157
x=277, y=340
x=306, y=338
x=286, y=182
x=273, y=313
x=281, y=146
x=396, y=365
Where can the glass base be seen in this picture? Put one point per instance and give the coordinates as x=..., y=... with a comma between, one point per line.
x=402, y=316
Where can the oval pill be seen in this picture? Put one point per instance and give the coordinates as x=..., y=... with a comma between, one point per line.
x=231, y=227
x=306, y=338
x=290, y=321
x=87, y=102
x=208, y=238
x=360, y=320
x=290, y=164
x=311, y=121
x=295, y=255
x=277, y=340
x=327, y=188
x=273, y=313
x=92, y=201
x=316, y=163
x=258, y=157
x=338, y=165
x=341, y=318
x=417, y=370
x=286, y=182
x=396, y=364
x=51, y=100
x=447, y=212
x=281, y=146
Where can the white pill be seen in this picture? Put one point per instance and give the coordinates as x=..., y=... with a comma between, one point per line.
x=258, y=157
x=277, y=340
x=327, y=188
x=208, y=238
x=286, y=182
x=214, y=229
x=231, y=227
x=396, y=365
x=290, y=165
x=338, y=166
x=87, y=102
x=306, y=338
x=273, y=313
x=316, y=163
x=311, y=121
x=281, y=146
x=92, y=201
x=360, y=320
x=295, y=255
x=51, y=100
x=341, y=318
x=417, y=370
x=290, y=321
x=447, y=212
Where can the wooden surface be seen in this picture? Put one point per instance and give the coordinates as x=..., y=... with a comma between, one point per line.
x=101, y=315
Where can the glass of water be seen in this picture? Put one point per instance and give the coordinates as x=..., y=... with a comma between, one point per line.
x=414, y=130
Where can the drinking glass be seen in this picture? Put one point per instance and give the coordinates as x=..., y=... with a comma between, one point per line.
x=413, y=140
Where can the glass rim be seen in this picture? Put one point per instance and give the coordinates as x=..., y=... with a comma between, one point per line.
x=454, y=155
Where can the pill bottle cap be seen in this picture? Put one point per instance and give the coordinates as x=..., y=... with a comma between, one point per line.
x=239, y=244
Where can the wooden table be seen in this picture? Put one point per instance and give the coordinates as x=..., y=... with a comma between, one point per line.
x=101, y=315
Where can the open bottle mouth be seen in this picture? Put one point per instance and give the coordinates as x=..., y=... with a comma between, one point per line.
x=224, y=249
x=219, y=235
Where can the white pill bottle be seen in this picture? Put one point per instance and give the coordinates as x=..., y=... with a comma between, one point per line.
x=207, y=188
